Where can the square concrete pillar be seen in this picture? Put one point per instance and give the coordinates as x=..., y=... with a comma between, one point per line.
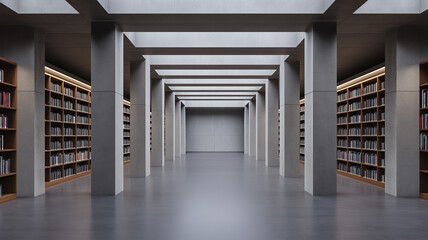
x=107, y=108
x=402, y=112
x=140, y=118
x=183, y=129
x=261, y=127
x=320, y=108
x=170, y=126
x=26, y=47
x=246, y=129
x=271, y=130
x=252, y=128
x=158, y=122
x=289, y=83
x=177, y=128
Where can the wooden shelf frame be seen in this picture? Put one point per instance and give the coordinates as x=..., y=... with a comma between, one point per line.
x=8, y=180
x=377, y=109
x=126, y=129
x=423, y=154
x=302, y=131
x=66, y=90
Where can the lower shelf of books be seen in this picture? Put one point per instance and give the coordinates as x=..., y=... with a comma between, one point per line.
x=66, y=179
x=362, y=179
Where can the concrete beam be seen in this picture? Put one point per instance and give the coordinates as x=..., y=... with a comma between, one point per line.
x=214, y=89
x=214, y=81
x=215, y=104
x=216, y=98
x=220, y=6
x=213, y=60
x=262, y=73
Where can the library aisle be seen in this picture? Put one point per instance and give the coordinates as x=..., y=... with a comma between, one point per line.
x=214, y=196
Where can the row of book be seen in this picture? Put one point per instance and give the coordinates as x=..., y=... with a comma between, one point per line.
x=82, y=131
x=5, y=99
x=82, y=95
x=370, y=102
x=55, y=116
x=370, y=144
x=341, y=97
x=56, y=159
x=5, y=165
x=355, y=131
x=1, y=142
x=82, y=143
x=82, y=107
x=55, y=87
x=82, y=168
x=355, y=106
x=424, y=98
x=3, y=121
x=68, y=91
x=56, y=102
x=83, y=155
x=1, y=75
x=127, y=158
x=370, y=158
x=69, y=105
x=126, y=149
x=342, y=167
x=370, y=174
x=68, y=171
x=369, y=88
x=355, y=143
x=355, y=93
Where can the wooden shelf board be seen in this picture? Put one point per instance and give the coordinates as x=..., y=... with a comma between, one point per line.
x=8, y=175
x=7, y=150
x=424, y=196
x=66, y=179
x=7, y=197
x=126, y=162
x=7, y=129
x=424, y=171
x=7, y=84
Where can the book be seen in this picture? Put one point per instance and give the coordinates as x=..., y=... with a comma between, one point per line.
x=1, y=75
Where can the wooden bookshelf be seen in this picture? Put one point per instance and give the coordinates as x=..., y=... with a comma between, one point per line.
x=302, y=132
x=8, y=164
x=361, y=128
x=67, y=128
x=423, y=126
x=126, y=132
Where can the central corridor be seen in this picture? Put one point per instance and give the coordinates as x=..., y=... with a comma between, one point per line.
x=208, y=196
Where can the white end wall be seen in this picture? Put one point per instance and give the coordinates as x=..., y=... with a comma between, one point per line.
x=215, y=129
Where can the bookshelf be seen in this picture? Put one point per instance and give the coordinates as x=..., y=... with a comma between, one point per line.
x=361, y=128
x=302, y=132
x=126, y=132
x=8, y=164
x=67, y=128
x=423, y=126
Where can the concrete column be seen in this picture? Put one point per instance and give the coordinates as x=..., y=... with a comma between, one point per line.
x=320, y=108
x=402, y=113
x=271, y=129
x=158, y=104
x=246, y=129
x=107, y=108
x=177, y=128
x=261, y=129
x=26, y=47
x=252, y=128
x=289, y=85
x=183, y=129
x=170, y=126
x=140, y=118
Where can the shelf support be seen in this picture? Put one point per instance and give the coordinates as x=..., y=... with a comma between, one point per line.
x=320, y=108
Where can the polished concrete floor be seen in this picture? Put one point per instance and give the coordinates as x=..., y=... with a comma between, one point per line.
x=214, y=196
